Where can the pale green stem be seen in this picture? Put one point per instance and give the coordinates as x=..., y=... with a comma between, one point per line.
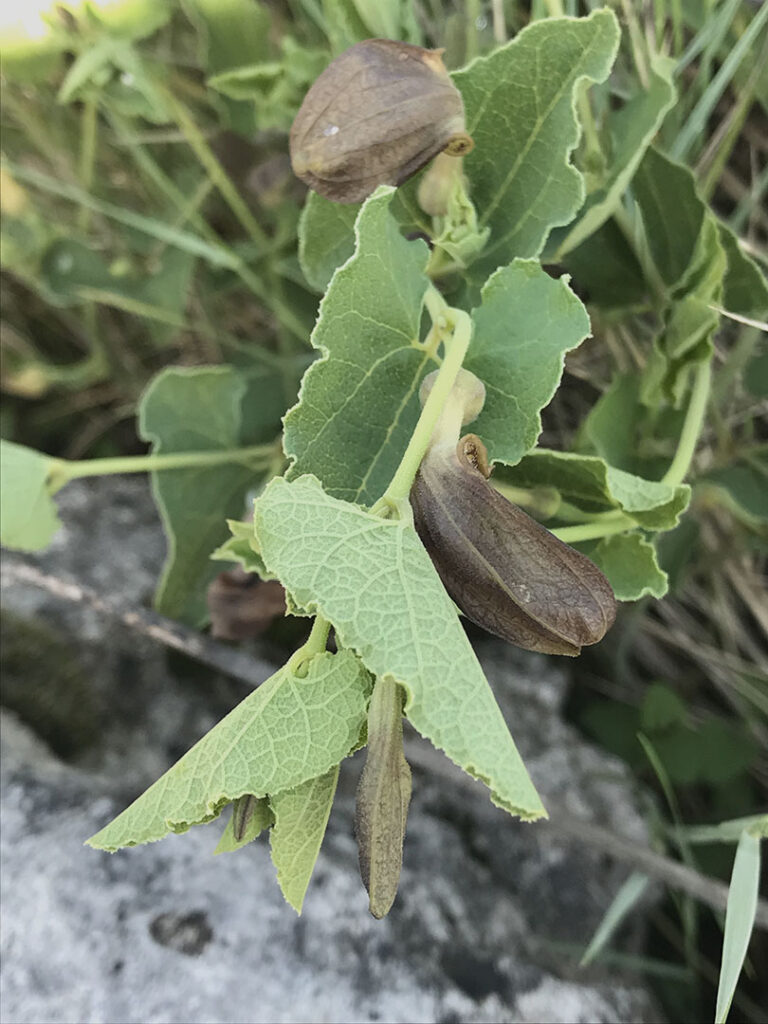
x=435, y=303
x=315, y=644
x=637, y=43
x=62, y=470
x=471, y=14
x=499, y=24
x=572, y=514
x=400, y=486
x=554, y=8
x=594, y=530
x=544, y=500
x=694, y=420
x=215, y=171
x=587, y=118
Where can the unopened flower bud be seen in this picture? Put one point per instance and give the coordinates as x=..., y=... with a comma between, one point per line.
x=383, y=796
x=375, y=116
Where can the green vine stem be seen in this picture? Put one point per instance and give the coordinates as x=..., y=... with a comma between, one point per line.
x=694, y=420
x=595, y=529
x=315, y=643
x=455, y=327
x=62, y=470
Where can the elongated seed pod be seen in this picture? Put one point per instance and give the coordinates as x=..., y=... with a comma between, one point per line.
x=375, y=116
x=505, y=571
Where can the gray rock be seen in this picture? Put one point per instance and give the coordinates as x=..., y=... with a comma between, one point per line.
x=167, y=932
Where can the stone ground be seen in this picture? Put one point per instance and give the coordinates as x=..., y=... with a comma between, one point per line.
x=169, y=933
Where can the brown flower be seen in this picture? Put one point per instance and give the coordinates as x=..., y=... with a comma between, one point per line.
x=504, y=570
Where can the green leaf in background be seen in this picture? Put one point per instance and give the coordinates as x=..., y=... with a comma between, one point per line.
x=678, y=551
x=326, y=238
x=524, y=327
x=389, y=19
x=241, y=549
x=684, y=242
x=606, y=271
x=661, y=709
x=756, y=375
x=739, y=919
x=71, y=273
x=629, y=561
x=519, y=102
x=261, y=817
x=233, y=33
x=286, y=732
x=275, y=88
x=745, y=286
x=611, y=426
x=631, y=130
x=589, y=482
x=28, y=516
x=349, y=21
x=301, y=817
x=375, y=582
x=685, y=341
x=196, y=410
x=743, y=487
x=358, y=404
x=676, y=220
x=132, y=19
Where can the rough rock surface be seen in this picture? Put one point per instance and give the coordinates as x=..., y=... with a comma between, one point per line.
x=169, y=933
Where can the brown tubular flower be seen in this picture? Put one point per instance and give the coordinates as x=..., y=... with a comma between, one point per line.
x=375, y=116
x=504, y=570
x=383, y=796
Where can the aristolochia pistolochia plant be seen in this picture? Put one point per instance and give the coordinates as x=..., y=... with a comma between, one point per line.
x=388, y=517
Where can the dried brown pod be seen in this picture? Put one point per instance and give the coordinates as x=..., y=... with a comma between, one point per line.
x=504, y=570
x=375, y=116
x=241, y=605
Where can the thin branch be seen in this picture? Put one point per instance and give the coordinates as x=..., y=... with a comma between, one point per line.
x=254, y=671
x=561, y=822
x=194, y=644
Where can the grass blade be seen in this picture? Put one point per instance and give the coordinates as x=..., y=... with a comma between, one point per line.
x=695, y=127
x=624, y=901
x=739, y=918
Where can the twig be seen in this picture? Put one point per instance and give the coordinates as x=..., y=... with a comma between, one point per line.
x=202, y=648
x=709, y=890
x=254, y=671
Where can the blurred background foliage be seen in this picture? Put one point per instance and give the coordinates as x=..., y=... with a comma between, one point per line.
x=150, y=218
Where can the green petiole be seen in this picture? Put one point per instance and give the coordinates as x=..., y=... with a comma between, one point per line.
x=62, y=470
